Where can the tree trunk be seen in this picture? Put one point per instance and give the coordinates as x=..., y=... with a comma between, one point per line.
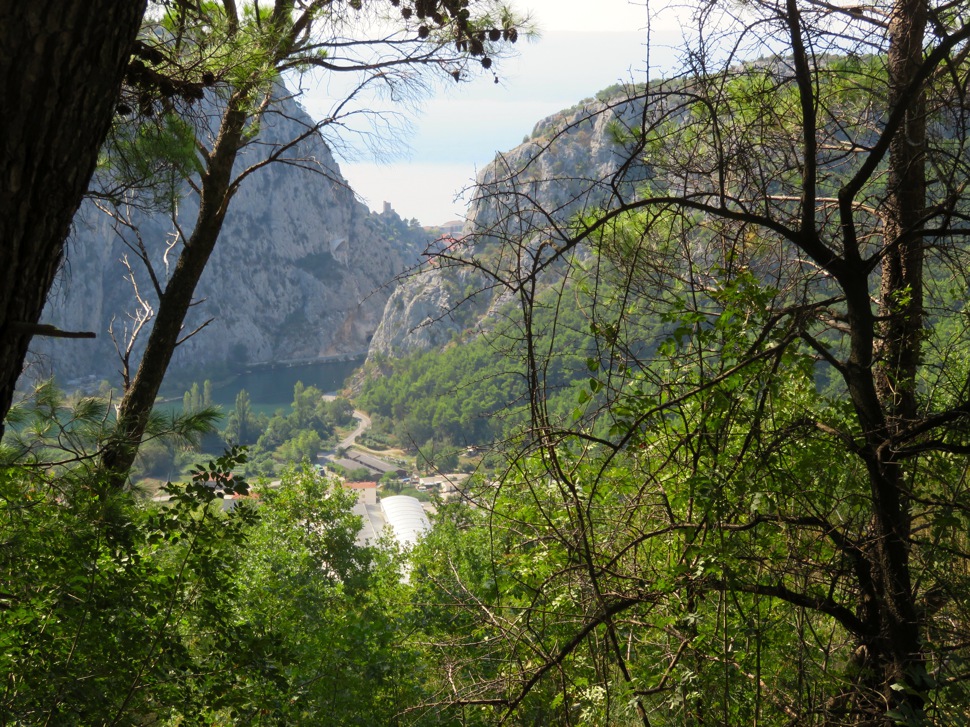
x=896, y=649
x=61, y=65
x=136, y=405
x=901, y=292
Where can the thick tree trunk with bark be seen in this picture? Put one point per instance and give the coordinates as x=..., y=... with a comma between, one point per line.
x=901, y=293
x=899, y=352
x=883, y=386
x=61, y=66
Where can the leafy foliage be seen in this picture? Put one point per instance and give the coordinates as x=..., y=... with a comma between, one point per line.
x=734, y=524
x=475, y=393
x=99, y=593
x=221, y=605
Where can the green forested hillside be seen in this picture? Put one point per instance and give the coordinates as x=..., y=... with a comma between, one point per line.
x=475, y=391
x=464, y=395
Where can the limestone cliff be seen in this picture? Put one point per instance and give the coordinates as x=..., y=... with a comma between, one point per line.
x=561, y=166
x=302, y=269
x=432, y=308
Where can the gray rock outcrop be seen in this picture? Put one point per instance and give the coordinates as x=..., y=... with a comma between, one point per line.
x=565, y=166
x=302, y=269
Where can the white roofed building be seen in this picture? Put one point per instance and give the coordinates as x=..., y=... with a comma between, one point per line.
x=407, y=518
x=404, y=515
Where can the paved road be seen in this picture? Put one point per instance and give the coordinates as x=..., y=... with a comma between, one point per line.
x=363, y=424
x=355, y=458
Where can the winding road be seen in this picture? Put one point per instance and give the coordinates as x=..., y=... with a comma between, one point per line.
x=357, y=458
x=363, y=424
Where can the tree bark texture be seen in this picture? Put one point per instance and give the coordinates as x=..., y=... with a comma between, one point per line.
x=899, y=351
x=61, y=67
x=881, y=376
x=901, y=294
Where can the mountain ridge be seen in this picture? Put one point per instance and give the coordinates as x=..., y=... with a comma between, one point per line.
x=302, y=269
x=562, y=164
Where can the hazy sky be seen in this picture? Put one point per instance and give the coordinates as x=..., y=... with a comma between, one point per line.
x=459, y=130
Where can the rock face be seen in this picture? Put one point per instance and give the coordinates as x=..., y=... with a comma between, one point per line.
x=562, y=167
x=432, y=308
x=416, y=317
x=301, y=270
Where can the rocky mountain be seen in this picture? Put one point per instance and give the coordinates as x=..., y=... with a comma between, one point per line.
x=562, y=165
x=302, y=269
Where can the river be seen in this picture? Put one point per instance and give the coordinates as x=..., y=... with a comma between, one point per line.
x=272, y=388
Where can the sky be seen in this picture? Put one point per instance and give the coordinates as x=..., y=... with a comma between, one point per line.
x=458, y=131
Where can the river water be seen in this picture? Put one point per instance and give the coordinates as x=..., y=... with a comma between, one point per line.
x=272, y=388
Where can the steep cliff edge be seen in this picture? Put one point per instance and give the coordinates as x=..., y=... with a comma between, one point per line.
x=562, y=166
x=302, y=269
